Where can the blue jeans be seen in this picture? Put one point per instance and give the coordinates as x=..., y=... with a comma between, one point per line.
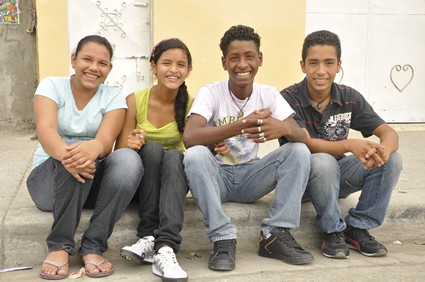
x=286, y=170
x=331, y=179
x=53, y=188
x=162, y=194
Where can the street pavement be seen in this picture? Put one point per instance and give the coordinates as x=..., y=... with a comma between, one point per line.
x=24, y=228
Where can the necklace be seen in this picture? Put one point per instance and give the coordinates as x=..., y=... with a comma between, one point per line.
x=319, y=104
x=240, y=113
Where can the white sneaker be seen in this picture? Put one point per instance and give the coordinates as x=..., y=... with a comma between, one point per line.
x=165, y=265
x=140, y=252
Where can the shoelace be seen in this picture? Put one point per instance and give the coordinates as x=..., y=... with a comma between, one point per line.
x=167, y=260
x=337, y=237
x=365, y=234
x=286, y=237
x=224, y=247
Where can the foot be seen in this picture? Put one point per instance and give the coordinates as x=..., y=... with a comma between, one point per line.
x=361, y=240
x=334, y=246
x=96, y=266
x=281, y=245
x=55, y=266
x=140, y=252
x=223, y=256
x=165, y=265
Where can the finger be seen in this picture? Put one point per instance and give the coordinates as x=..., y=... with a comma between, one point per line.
x=84, y=164
x=86, y=175
x=78, y=178
x=370, y=153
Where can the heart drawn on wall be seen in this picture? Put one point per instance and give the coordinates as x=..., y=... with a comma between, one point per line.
x=401, y=76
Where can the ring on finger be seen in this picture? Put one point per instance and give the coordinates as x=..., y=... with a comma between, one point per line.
x=261, y=135
x=264, y=139
x=259, y=129
x=259, y=121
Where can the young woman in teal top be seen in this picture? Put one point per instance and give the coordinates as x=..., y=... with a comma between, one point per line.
x=78, y=119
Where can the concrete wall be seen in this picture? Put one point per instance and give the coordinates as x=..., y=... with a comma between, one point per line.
x=18, y=71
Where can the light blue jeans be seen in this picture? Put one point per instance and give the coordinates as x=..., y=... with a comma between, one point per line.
x=331, y=179
x=286, y=170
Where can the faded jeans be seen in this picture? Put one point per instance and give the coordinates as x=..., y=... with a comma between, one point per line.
x=53, y=188
x=331, y=179
x=286, y=170
x=162, y=194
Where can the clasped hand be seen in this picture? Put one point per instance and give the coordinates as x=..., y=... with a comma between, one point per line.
x=260, y=126
x=371, y=155
x=79, y=160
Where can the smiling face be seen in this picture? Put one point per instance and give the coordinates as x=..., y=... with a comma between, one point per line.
x=172, y=68
x=92, y=65
x=242, y=61
x=320, y=66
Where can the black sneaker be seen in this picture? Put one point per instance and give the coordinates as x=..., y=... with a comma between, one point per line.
x=281, y=245
x=334, y=246
x=223, y=255
x=361, y=240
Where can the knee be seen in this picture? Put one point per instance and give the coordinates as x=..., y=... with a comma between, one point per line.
x=152, y=150
x=173, y=155
x=196, y=154
x=127, y=162
x=297, y=152
x=395, y=163
x=324, y=166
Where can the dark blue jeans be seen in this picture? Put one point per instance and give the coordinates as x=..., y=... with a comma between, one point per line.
x=53, y=188
x=162, y=194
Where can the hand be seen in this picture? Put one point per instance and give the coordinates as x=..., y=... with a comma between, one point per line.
x=370, y=154
x=262, y=130
x=86, y=172
x=136, y=139
x=80, y=154
x=221, y=148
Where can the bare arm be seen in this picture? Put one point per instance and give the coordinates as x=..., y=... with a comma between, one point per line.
x=46, y=117
x=197, y=133
x=129, y=124
x=83, y=153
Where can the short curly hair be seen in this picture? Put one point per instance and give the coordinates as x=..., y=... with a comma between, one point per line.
x=238, y=32
x=321, y=37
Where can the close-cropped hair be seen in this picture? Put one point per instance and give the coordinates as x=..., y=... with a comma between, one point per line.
x=182, y=96
x=95, y=39
x=321, y=37
x=239, y=32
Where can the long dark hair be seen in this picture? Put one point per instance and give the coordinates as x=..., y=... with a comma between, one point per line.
x=182, y=98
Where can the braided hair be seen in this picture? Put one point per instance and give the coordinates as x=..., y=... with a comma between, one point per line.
x=182, y=98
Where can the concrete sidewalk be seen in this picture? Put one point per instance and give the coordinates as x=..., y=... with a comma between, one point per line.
x=24, y=228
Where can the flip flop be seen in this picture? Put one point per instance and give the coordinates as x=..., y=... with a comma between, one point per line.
x=97, y=264
x=56, y=276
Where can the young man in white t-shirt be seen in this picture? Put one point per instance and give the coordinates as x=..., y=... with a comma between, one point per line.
x=244, y=114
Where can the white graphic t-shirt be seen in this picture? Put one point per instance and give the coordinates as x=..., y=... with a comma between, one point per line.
x=214, y=102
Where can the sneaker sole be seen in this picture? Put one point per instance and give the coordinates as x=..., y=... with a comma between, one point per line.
x=221, y=267
x=166, y=279
x=338, y=255
x=130, y=256
x=285, y=259
x=380, y=253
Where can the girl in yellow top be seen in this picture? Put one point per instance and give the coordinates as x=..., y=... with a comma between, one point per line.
x=154, y=125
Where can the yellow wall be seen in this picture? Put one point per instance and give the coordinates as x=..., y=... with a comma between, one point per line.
x=202, y=23
x=52, y=38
